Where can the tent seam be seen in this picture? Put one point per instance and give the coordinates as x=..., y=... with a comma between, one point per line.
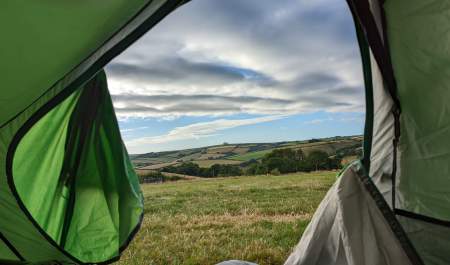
x=11, y=247
x=389, y=216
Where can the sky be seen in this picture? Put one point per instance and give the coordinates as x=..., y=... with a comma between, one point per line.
x=240, y=71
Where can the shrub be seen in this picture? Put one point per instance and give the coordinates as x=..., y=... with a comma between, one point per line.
x=275, y=172
x=151, y=177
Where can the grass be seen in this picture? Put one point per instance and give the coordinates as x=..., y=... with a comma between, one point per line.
x=258, y=218
x=251, y=155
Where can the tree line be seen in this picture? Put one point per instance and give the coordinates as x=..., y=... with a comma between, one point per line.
x=279, y=161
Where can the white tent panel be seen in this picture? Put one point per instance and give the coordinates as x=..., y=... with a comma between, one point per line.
x=348, y=229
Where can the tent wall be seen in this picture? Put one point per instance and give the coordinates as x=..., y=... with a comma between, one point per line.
x=53, y=48
x=47, y=224
x=83, y=181
x=418, y=40
x=349, y=228
x=46, y=39
x=408, y=152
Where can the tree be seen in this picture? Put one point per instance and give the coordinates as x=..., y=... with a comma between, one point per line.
x=188, y=169
x=262, y=169
x=252, y=169
x=318, y=160
x=334, y=162
x=299, y=155
x=305, y=166
x=274, y=163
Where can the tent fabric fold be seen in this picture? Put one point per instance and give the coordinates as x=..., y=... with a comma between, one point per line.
x=84, y=199
x=348, y=228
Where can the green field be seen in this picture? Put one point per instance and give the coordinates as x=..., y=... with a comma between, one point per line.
x=258, y=218
x=243, y=152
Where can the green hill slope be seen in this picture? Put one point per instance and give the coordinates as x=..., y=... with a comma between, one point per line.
x=240, y=153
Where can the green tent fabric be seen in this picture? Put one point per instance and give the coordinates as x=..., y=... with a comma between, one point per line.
x=68, y=193
x=69, y=174
x=86, y=183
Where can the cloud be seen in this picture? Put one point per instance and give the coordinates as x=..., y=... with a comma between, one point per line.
x=259, y=57
x=319, y=121
x=352, y=118
x=197, y=105
x=123, y=131
x=198, y=130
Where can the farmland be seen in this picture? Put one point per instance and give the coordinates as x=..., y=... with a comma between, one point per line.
x=205, y=221
x=235, y=154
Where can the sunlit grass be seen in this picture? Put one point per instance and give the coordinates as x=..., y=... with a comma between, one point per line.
x=258, y=218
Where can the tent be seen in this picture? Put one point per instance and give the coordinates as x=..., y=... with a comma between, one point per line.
x=68, y=193
x=392, y=207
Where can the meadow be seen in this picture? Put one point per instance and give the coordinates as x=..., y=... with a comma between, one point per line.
x=206, y=221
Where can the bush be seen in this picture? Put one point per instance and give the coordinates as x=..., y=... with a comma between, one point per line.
x=216, y=170
x=275, y=172
x=156, y=176
x=320, y=160
x=287, y=160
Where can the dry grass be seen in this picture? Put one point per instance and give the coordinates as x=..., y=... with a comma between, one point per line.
x=159, y=166
x=221, y=149
x=210, y=156
x=259, y=219
x=209, y=163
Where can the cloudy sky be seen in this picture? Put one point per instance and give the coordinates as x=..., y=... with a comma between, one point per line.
x=234, y=71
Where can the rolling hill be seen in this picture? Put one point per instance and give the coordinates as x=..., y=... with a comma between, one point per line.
x=236, y=154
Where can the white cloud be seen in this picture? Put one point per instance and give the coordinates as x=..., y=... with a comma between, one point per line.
x=123, y=131
x=346, y=119
x=319, y=121
x=196, y=131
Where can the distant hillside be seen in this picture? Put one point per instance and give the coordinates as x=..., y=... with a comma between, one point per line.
x=236, y=154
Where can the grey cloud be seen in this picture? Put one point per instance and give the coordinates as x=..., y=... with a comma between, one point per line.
x=179, y=105
x=177, y=69
x=188, y=98
x=314, y=81
x=261, y=56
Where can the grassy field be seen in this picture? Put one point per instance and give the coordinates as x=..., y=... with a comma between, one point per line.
x=209, y=163
x=241, y=152
x=258, y=218
x=251, y=155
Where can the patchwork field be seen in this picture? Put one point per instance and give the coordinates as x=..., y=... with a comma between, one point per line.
x=209, y=163
x=205, y=221
x=251, y=155
x=241, y=153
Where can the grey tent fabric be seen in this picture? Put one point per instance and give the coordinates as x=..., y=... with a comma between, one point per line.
x=348, y=229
